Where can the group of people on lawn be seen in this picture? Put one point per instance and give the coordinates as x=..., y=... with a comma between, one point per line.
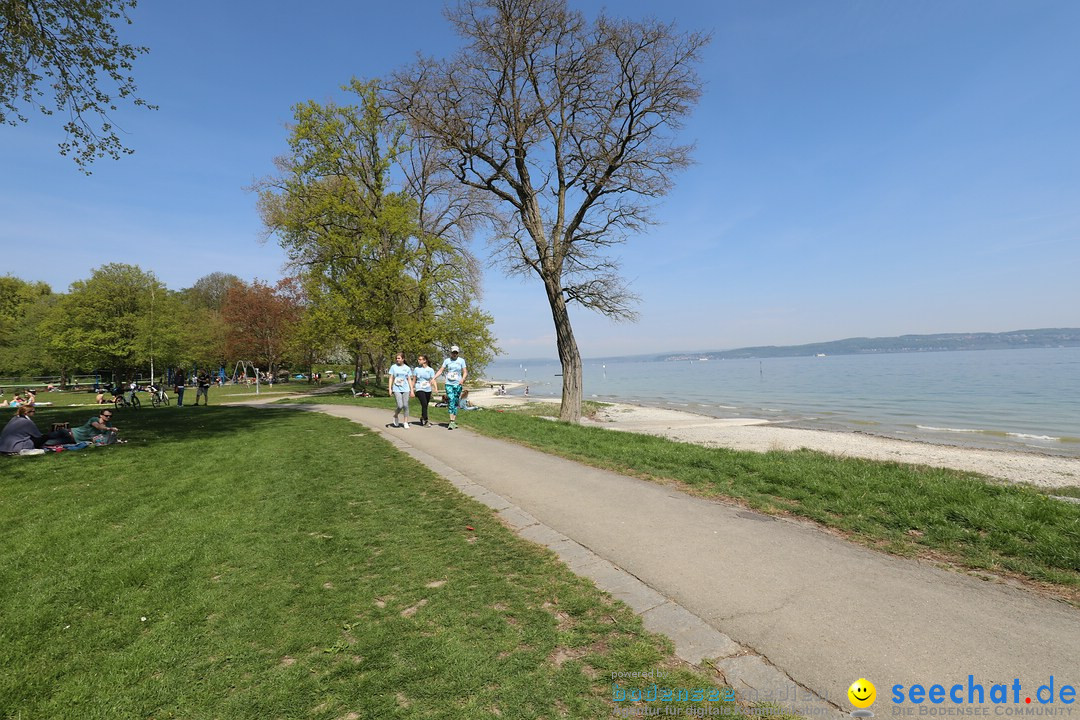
x=202, y=389
x=27, y=397
x=21, y=435
x=406, y=382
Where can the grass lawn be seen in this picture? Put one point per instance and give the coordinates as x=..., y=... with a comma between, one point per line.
x=956, y=517
x=273, y=563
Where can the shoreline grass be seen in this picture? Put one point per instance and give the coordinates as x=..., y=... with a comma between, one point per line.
x=950, y=516
x=250, y=563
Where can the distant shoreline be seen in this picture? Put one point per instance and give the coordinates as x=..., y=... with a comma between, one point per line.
x=1036, y=339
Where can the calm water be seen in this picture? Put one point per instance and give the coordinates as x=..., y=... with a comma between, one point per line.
x=1005, y=399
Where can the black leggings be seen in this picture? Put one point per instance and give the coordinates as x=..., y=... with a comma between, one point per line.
x=424, y=396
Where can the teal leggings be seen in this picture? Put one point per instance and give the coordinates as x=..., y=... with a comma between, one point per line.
x=453, y=394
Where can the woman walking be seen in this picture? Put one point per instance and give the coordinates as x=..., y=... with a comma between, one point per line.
x=456, y=372
x=423, y=385
x=401, y=387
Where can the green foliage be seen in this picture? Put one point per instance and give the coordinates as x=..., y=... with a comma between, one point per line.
x=108, y=321
x=468, y=328
x=175, y=333
x=202, y=339
x=23, y=306
x=376, y=278
x=16, y=296
x=73, y=49
x=210, y=290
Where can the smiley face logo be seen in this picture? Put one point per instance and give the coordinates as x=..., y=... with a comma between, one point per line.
x=862, y=693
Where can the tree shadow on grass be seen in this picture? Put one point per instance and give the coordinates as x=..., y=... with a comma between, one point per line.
x=150, y=426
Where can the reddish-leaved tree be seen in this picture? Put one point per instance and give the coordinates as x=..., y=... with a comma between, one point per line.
x=260, y=319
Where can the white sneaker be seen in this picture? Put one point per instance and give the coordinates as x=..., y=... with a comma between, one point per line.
x=406, y=426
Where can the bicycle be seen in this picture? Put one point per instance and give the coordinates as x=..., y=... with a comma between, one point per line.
x=158, y=396
x=120, y=401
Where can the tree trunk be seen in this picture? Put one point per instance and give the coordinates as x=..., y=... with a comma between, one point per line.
x=376, y=368
x=569, y=356
x=358, y=371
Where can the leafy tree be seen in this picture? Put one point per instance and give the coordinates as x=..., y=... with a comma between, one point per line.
x=313, y=338
x=23, y=307
x=105, y=322
x=210, y=290
x=203, y=338
x=566, y=126
x=16, y=297
x=174, y=331
x=72, y=47
x=385, y=267
x=203, y=331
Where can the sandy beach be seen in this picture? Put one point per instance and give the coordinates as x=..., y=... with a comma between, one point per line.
x=759, y=436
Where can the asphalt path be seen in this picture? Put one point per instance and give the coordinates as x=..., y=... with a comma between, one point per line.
x=823, y=610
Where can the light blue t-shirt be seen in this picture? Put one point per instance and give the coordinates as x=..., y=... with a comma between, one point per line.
x=400, y=374
x=453, y=369
x=424, y=376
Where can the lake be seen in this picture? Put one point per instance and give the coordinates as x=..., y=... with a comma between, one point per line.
x=999, y=399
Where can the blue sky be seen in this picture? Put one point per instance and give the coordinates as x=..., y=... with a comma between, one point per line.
x=863, y=168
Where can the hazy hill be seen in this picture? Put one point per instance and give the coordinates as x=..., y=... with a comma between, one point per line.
x=1042, y=338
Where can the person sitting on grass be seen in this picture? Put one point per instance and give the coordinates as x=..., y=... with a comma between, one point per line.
x=59, y=435
x=21, y=433
x=465, y=404
x=98, y=431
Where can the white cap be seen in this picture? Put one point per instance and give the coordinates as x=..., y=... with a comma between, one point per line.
x=455, y=348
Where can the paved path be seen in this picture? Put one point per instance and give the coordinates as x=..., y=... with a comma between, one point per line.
x=821, y=610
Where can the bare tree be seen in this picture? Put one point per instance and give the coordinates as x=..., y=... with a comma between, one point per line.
x=567, y=125
x=447, y=214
